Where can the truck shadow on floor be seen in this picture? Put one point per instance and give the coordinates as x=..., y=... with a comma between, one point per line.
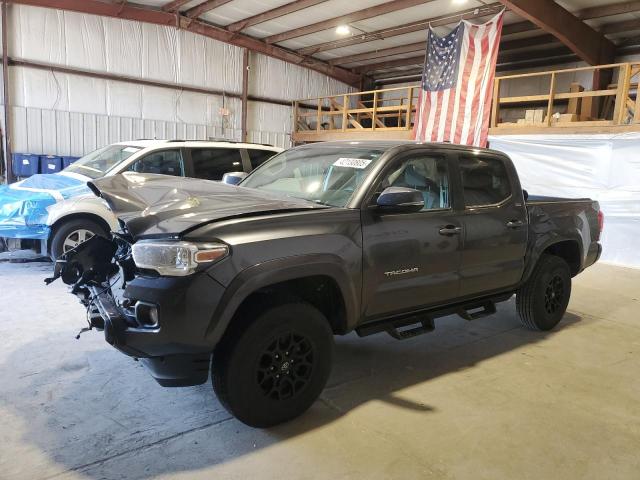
x=90, y=410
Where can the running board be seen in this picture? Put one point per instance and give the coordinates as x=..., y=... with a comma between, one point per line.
x=420, y=323
x=471, y=312
x=425, y=325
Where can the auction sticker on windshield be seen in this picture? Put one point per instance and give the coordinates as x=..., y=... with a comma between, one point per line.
x=352, y=162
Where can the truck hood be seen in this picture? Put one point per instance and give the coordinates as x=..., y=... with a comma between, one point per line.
x=160, y=205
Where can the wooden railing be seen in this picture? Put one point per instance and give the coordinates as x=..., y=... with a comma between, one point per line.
x=564, y=102
x=383, y=113
x=556, y=101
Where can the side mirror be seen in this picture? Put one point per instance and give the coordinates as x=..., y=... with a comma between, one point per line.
x=400, y=199
x=234, y=178
x=525, y=195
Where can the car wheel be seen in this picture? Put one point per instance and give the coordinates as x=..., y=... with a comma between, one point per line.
x=543, y=299
x=72, y=233
x=270, y=369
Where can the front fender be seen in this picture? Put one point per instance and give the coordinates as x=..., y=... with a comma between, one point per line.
x=85, y=205
x=277, y=271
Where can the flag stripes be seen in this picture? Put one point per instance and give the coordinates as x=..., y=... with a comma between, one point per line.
x=457, y=84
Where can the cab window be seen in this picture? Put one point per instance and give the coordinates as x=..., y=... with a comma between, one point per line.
x=428, y=174
x=164, y=162
x=213, y=163
x=484, y=180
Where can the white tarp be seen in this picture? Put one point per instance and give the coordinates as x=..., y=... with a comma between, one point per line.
x=64, y=114
x=602, y=167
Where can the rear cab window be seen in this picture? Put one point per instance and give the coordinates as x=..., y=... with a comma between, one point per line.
x=485, y=180
x=213, y=163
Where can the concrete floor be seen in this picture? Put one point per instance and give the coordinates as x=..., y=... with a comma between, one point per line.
x=481, y=400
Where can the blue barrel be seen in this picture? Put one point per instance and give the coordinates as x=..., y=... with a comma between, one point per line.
x=66, y=161
x=50, y=164
x=25, y=164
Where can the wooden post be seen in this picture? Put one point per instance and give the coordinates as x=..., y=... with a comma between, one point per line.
x=575, y=104
x=495, y=108
x=409, y=107
x=345, y=100
x=636, y=114
x=295, y=116
x=552, y=91
x=375, y=110
x=332, y=123
x=621, y=94
x=601, y=80
x=318, y=117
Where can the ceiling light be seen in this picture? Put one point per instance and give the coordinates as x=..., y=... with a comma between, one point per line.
x=459, y=2
x=343, y=30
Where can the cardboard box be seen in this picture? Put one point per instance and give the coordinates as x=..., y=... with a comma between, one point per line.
x=532, y=117
x=538, y=115
x=564, y=118
x=528, y=116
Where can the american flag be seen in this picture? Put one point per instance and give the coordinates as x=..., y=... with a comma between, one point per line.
x=457, y=84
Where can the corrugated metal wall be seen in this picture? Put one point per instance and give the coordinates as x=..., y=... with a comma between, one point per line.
x=67, y=114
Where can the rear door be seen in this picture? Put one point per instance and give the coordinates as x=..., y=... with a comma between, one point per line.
x=410, y=260
x=494, y=224
x=213, y=163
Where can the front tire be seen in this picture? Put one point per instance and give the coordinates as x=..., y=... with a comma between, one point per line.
x=270, y=369
x=543, y=299
x=71, y=233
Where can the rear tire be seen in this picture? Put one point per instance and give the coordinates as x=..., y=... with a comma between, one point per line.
x=72, y=232
x=270, y=369
x=542, y=301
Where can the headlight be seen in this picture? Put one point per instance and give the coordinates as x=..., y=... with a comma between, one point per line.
x=176, y=259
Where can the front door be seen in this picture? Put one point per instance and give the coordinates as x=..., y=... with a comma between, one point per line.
x=411, y=259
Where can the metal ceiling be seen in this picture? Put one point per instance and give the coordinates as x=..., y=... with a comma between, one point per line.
x=307, y=28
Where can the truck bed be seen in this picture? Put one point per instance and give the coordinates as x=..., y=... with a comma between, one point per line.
x=539, y=199
x=569, y=218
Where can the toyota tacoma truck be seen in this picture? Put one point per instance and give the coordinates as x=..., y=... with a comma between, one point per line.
x=249, y=283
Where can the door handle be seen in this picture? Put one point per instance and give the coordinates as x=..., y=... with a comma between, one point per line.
x=450, y=230
x=515, y=223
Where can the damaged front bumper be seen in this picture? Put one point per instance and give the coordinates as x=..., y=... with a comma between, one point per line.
x=162, y=321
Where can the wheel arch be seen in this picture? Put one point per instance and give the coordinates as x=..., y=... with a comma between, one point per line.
x=76, y=216
x=569, y=251
x=568, y=248
x=317, y=279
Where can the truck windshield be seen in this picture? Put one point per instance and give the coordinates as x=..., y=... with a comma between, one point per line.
x=323, y=175
x=99, y=162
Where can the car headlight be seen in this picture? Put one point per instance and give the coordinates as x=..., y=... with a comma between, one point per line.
x=176, y=259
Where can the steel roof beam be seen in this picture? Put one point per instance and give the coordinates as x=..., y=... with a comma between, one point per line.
x=159, y=17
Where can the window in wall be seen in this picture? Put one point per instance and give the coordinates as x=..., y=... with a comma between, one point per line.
x=484, y=180
x=213, y=163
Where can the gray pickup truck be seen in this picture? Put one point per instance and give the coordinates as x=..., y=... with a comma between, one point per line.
x=250, y=282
